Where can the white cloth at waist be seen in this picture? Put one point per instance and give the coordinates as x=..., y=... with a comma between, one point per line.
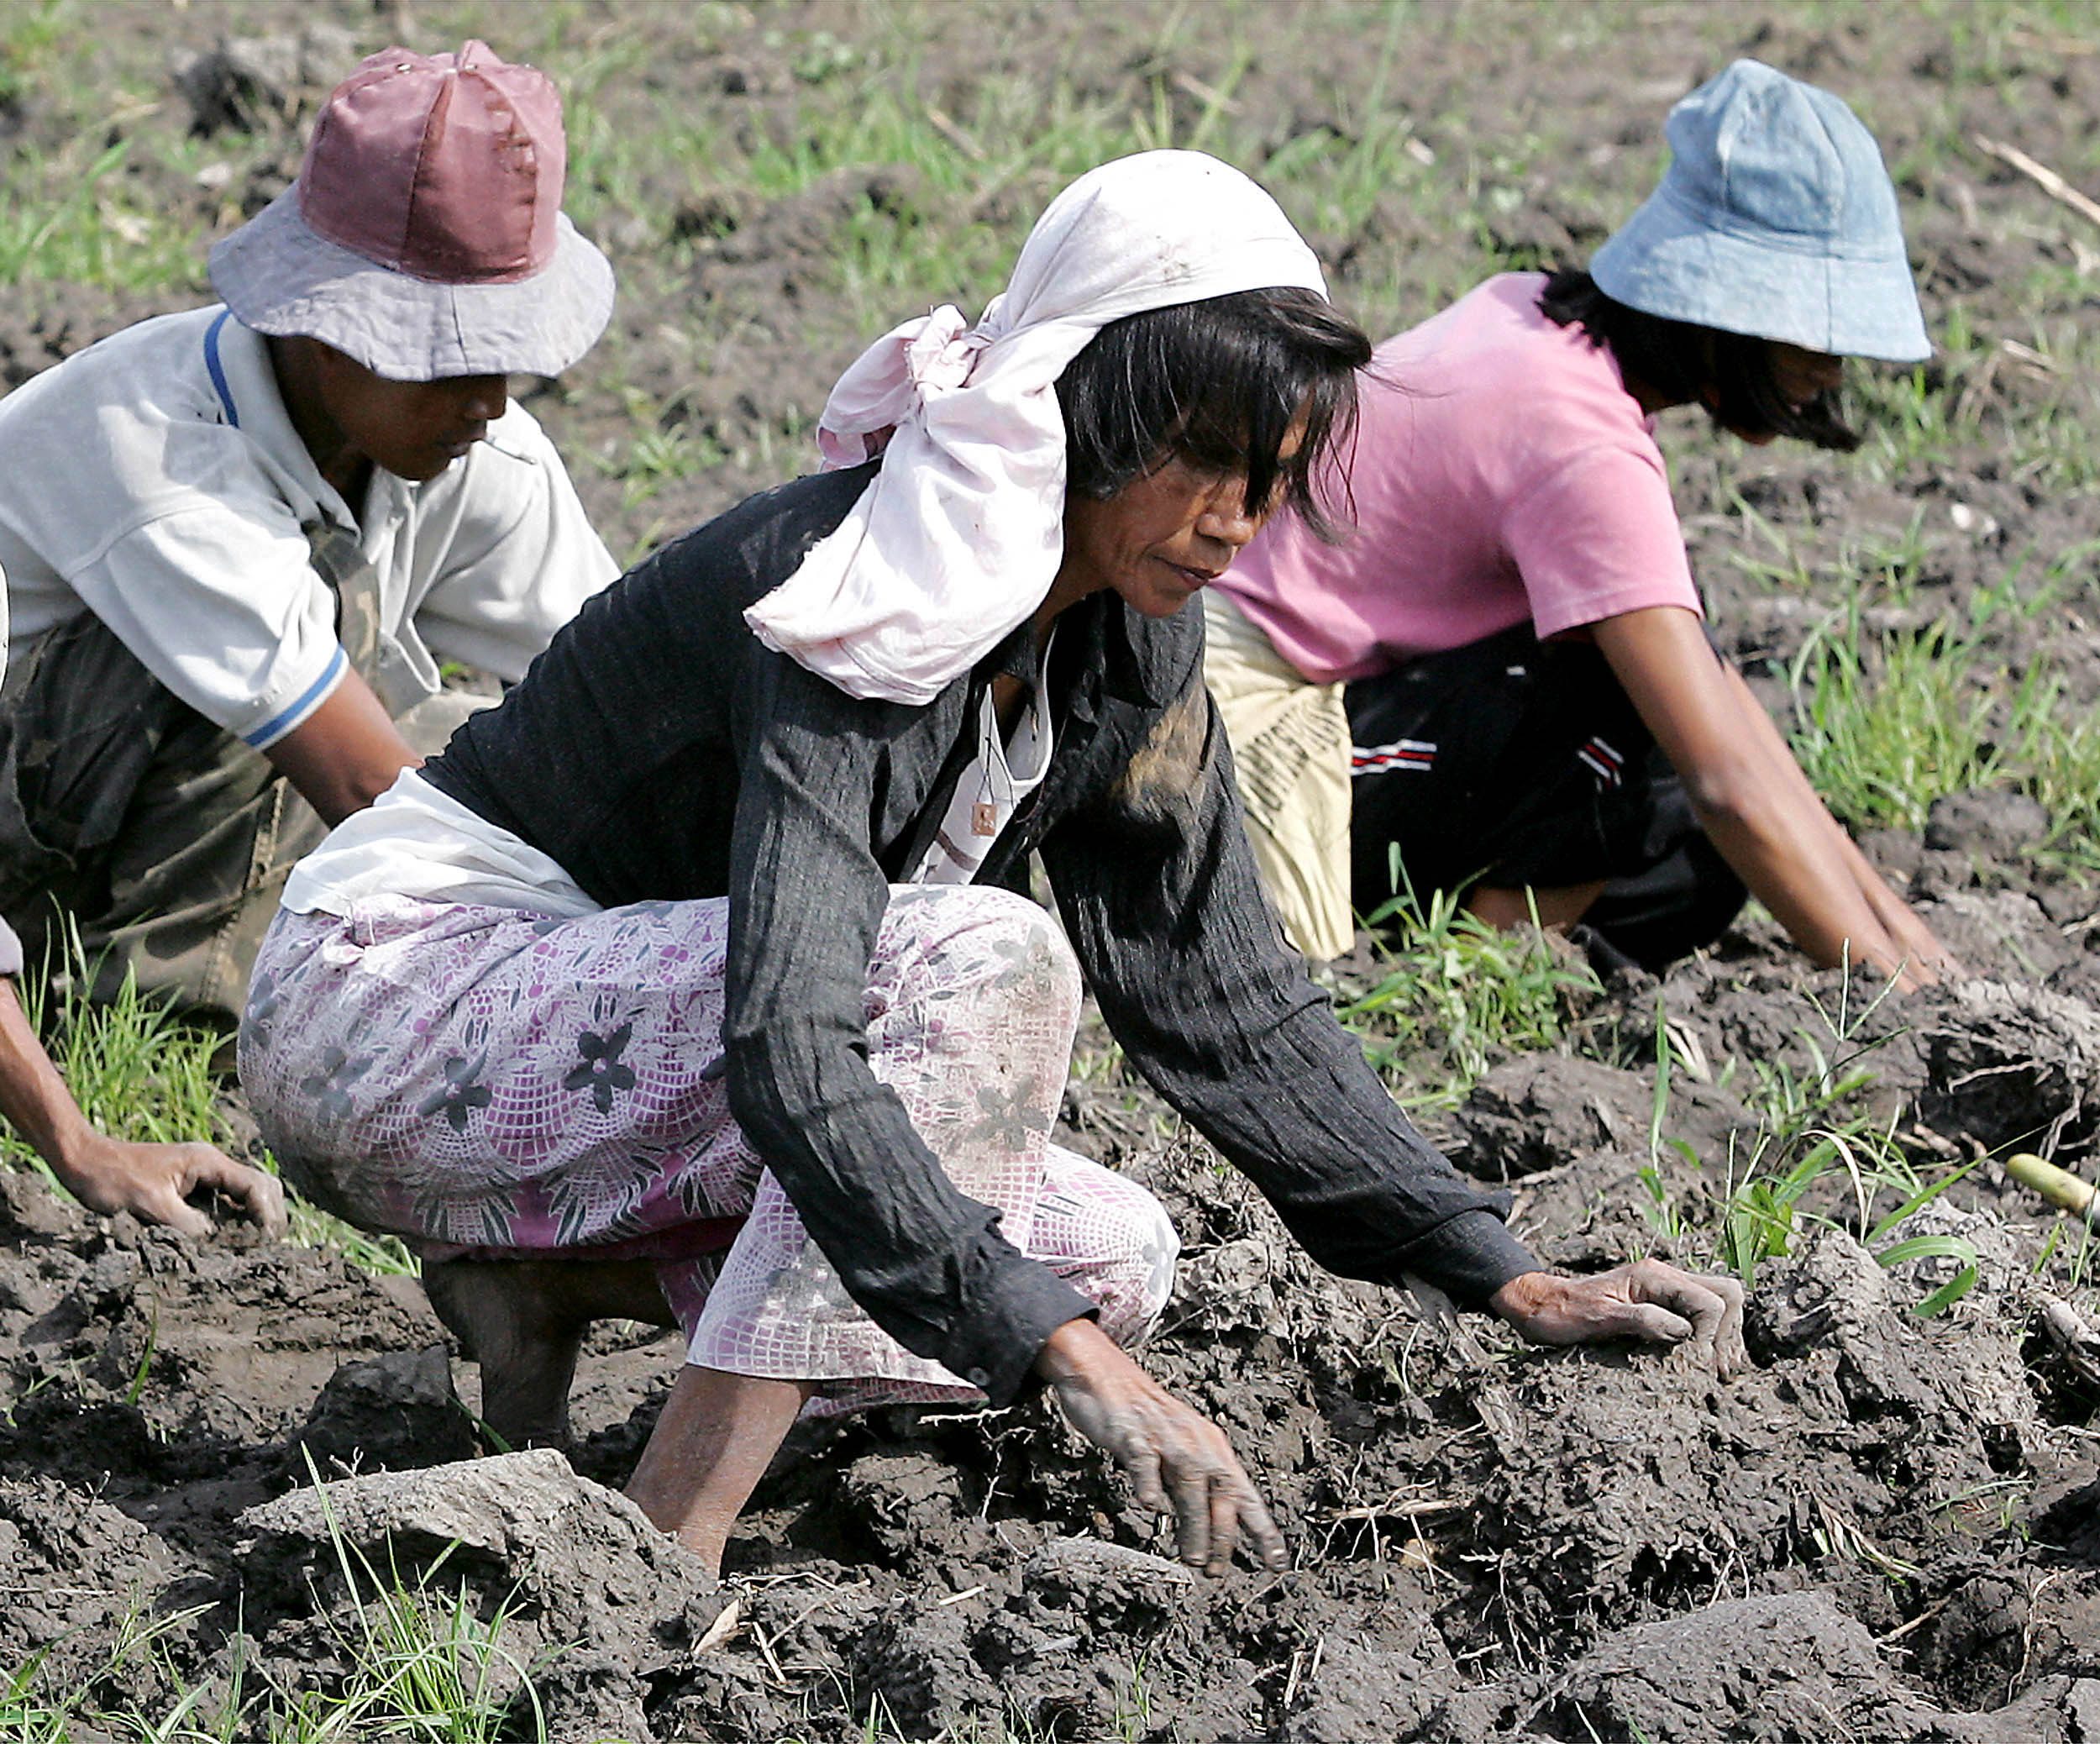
x=418, y=843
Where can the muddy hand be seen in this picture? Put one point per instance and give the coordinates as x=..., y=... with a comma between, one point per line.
x=155, y=1182
x=1177, y=1458
x=1647, y=1300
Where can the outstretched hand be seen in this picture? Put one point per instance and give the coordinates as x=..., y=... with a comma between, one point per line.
x=1176, y=1459
x=156, y=1182
x=1648, y=1300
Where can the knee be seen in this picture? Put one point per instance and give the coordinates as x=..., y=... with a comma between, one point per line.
x=1126, y=1250
x=990, y=939
x=1154, y=1252
x=1027, y=935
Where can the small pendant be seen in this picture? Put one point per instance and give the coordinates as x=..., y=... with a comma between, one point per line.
x=983, y=820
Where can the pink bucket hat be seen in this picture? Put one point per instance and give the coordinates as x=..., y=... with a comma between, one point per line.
x=424, y=237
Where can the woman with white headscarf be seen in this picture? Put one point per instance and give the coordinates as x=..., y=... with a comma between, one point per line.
x=691, y=982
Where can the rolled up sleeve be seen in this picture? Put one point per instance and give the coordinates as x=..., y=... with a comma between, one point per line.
x=222, y=604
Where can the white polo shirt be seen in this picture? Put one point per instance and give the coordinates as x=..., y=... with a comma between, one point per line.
x=156, y=480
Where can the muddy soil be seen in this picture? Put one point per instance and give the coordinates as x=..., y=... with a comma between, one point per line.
x=1886, y=1531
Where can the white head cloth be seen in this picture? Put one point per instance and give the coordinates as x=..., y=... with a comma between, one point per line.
x=959, y=536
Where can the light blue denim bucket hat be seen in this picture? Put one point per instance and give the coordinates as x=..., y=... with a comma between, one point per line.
x=1775, y=219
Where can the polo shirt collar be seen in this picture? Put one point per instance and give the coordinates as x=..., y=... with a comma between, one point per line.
x=237, y=360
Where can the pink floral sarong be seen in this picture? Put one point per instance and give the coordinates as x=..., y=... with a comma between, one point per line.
x=480, y=1080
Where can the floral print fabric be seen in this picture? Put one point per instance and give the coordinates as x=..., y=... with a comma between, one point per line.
x=480, y=1080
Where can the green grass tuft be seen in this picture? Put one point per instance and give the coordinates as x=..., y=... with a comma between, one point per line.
x=1453, y=991
x=1812, y=1157
x=140, y=1072
x=1887, y=725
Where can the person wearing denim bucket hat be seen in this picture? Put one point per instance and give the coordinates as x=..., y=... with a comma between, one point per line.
x=1503, y=687
x=1775, y=219
x=238, y=542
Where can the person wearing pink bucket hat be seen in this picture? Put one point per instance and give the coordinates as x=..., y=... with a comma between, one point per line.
x=424, y=237
x=239, y=542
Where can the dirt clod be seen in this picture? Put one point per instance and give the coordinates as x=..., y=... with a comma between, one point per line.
x=567, y=1562
x=1779, y=1668
x=394, y=1411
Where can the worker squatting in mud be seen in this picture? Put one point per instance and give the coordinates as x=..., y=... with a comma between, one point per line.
x=237, y=542
x=689, y=982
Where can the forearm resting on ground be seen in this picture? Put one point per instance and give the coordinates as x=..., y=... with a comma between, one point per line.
x=1789, y=858
x=155, y=1182
x=1922, y=957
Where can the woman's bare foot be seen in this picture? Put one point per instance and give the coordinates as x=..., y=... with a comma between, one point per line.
x=718, y=1433
x=523, y=1321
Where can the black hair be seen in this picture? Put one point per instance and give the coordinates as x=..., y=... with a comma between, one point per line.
x=1219, y=384
x=1683, y=362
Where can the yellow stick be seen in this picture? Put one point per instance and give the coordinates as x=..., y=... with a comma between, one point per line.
x=2046, y=179
x=2059, y=1186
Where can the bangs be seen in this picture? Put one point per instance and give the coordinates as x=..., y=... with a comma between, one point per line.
x=1221, y=384
x=1747, y=397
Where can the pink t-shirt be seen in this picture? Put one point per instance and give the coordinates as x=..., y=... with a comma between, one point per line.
x=1502, y=472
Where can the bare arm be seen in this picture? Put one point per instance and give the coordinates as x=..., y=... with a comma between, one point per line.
x=1754, y=804
x=1177, y=1459
x=1928, y=959
x=151, y=1181
x=345, y=753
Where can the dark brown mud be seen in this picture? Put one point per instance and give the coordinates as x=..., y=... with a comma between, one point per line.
x=1481, y=1533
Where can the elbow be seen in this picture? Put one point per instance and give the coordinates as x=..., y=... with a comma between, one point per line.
x=746, y=1086
x=352, y=793
x=1725, y=794
x=367, y=788
x=759, y=1101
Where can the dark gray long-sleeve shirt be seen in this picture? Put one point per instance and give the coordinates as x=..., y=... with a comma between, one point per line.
x=658, y=751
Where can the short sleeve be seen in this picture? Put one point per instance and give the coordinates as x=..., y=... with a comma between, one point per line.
x=226, y=609
x=520, y=562
x=1599, y=536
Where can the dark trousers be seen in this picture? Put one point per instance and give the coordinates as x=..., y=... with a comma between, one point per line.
x=1512, y=761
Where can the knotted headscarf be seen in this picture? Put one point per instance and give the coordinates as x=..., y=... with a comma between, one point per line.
x=959, y=536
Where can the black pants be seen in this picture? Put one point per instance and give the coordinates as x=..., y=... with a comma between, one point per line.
x=1512, y=761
